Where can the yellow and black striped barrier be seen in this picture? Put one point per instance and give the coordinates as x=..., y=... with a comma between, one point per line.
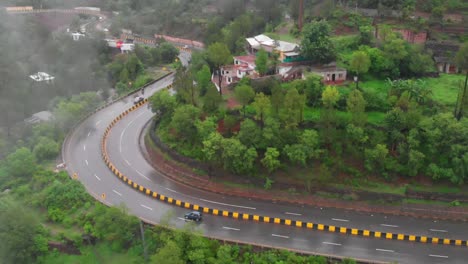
x=261, y=218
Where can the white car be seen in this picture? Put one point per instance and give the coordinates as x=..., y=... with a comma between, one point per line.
x=138, y=99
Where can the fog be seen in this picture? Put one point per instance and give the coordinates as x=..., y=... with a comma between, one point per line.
x=32, y=43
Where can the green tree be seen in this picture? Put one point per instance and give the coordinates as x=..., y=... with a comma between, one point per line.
x=187, y=91
x=316, y=44
x=168, y=52
x=170, y=253
x=237, y=158
x=219, y=55
x=21, y=163
x=206, y=127
x=293, y=108
x=46, y=149
x=366, y=35
x=313, y=89
x=376, y=158
x=356, y=105
x=310, y=142
x=262, y=106
x=396, y=49
x=271, y=159
x=249, y=133
x=203, y=78
x=330, y=97
x=461, y=59
x=244, y=94
x=134, y=67
x=115, y=225
x=212, y=99
x=18, y=232
x=261, y=62
x=296, y=154
x=360, y=63
x=213, y=148
x=277, y=97
x=144, y=55
x=163, y=103
x=183, y=122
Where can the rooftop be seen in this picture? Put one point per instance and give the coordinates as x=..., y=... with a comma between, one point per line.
x=41, y=76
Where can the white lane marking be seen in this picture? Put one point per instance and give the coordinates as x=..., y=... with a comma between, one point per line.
x=275, y=235
x=231, y=228
x=84, y=147
x=438, y=256
x=147, y=207
x=86, y=161
x=388, y=225
x=171, y=190
x=238, y=206
x=384, y=250
x=181, y=218
x=331, y=243
x=97, y=123
x=288, y=213
x=97, y=177
x=89, y=133
x=116, y=192
x=125, y=129
x=438, y=230
x=142, y=175
x=128, y=163
x=341, y=220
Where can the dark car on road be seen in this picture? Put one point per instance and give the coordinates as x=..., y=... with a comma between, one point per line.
x=194, y=216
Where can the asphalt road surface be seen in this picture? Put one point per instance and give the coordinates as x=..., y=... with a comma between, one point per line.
x=83, y=156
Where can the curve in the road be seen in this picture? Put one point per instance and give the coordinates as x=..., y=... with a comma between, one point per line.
x=260, y=218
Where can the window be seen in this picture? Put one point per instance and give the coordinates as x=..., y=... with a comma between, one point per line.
x=340, y=75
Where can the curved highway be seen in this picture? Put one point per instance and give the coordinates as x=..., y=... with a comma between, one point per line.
x=83, y=156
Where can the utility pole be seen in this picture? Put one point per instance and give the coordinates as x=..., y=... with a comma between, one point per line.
x=301, y=15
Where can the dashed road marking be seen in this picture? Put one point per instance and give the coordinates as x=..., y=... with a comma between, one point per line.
x=275, y=235
x=128, y=163
x=84, y=147
x=86, y=161
x=181, y=218
x=331, y=243
x=438, y=230
x=341, y=220
x=438, y=256
x=142, y=175
x=147, y=207
x=171, y=190
x=288, y=213
x=388, y=225
x=89, y=133
x=233, y=205
x=125, y=129
x=97, y=177
x=385, y=250
x=231, y=228
x=116, y=192
x=98, y=122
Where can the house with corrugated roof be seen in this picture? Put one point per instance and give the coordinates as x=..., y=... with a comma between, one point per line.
x=287, y=51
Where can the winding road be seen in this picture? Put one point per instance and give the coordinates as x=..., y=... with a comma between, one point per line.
x=82, y=153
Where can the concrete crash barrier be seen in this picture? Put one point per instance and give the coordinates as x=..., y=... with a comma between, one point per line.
x=260, y=218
